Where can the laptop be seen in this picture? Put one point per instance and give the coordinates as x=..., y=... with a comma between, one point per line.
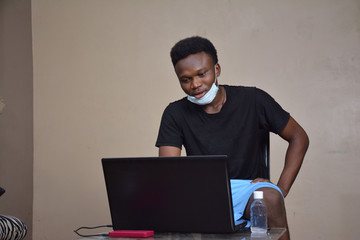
x=170, y=194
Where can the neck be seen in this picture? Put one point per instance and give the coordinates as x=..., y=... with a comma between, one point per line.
x=218, y=102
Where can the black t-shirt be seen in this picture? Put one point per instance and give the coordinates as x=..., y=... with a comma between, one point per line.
x=234, y=131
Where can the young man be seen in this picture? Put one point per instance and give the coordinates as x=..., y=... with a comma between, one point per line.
x=227, y=120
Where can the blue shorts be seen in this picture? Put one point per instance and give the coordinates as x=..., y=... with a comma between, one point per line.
x=241, y=192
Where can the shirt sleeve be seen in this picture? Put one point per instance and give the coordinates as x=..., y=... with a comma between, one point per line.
x=271, y=115
x=170, y=133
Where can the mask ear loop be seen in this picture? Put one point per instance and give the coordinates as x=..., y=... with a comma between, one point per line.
x=216, y=77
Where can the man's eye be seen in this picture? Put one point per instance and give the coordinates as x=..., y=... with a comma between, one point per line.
x=184, y=80
x=202, y=74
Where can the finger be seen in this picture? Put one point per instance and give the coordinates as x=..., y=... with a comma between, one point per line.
x=284, y=192
x=256, y=180
x=260, y=180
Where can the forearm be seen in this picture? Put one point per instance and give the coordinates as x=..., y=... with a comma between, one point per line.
x=298, y=145
x=293, y=162
x=169, y=151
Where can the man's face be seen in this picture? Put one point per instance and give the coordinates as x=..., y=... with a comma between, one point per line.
x=196, y=74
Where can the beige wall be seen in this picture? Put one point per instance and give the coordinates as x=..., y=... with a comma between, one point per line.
x=16, y=122
x=102, y=77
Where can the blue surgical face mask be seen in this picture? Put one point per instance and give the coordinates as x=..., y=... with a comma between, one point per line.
x=208, y=97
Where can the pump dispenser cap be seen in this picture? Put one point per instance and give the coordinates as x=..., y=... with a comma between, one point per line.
x=258, y=195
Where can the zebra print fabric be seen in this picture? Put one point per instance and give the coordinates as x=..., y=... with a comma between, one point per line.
x=12, y=228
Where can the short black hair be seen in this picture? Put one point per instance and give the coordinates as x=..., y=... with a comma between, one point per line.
x=192, y=45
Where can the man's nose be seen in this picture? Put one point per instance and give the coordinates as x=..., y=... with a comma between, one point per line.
x=195, y=83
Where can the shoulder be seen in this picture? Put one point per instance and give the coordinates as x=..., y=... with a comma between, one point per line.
x=249, y=96
x=241, y=94
x=247, y=91
x=263, y=96
x=236, y=90
x=176, y=109
x=177, y=105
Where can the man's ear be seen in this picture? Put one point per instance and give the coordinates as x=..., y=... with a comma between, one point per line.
x=217, y=70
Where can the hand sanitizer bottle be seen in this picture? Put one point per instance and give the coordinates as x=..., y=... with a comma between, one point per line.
x=258, y=214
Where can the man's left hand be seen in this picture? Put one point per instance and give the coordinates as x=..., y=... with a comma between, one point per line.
x=284, y=192
x=260, y=180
